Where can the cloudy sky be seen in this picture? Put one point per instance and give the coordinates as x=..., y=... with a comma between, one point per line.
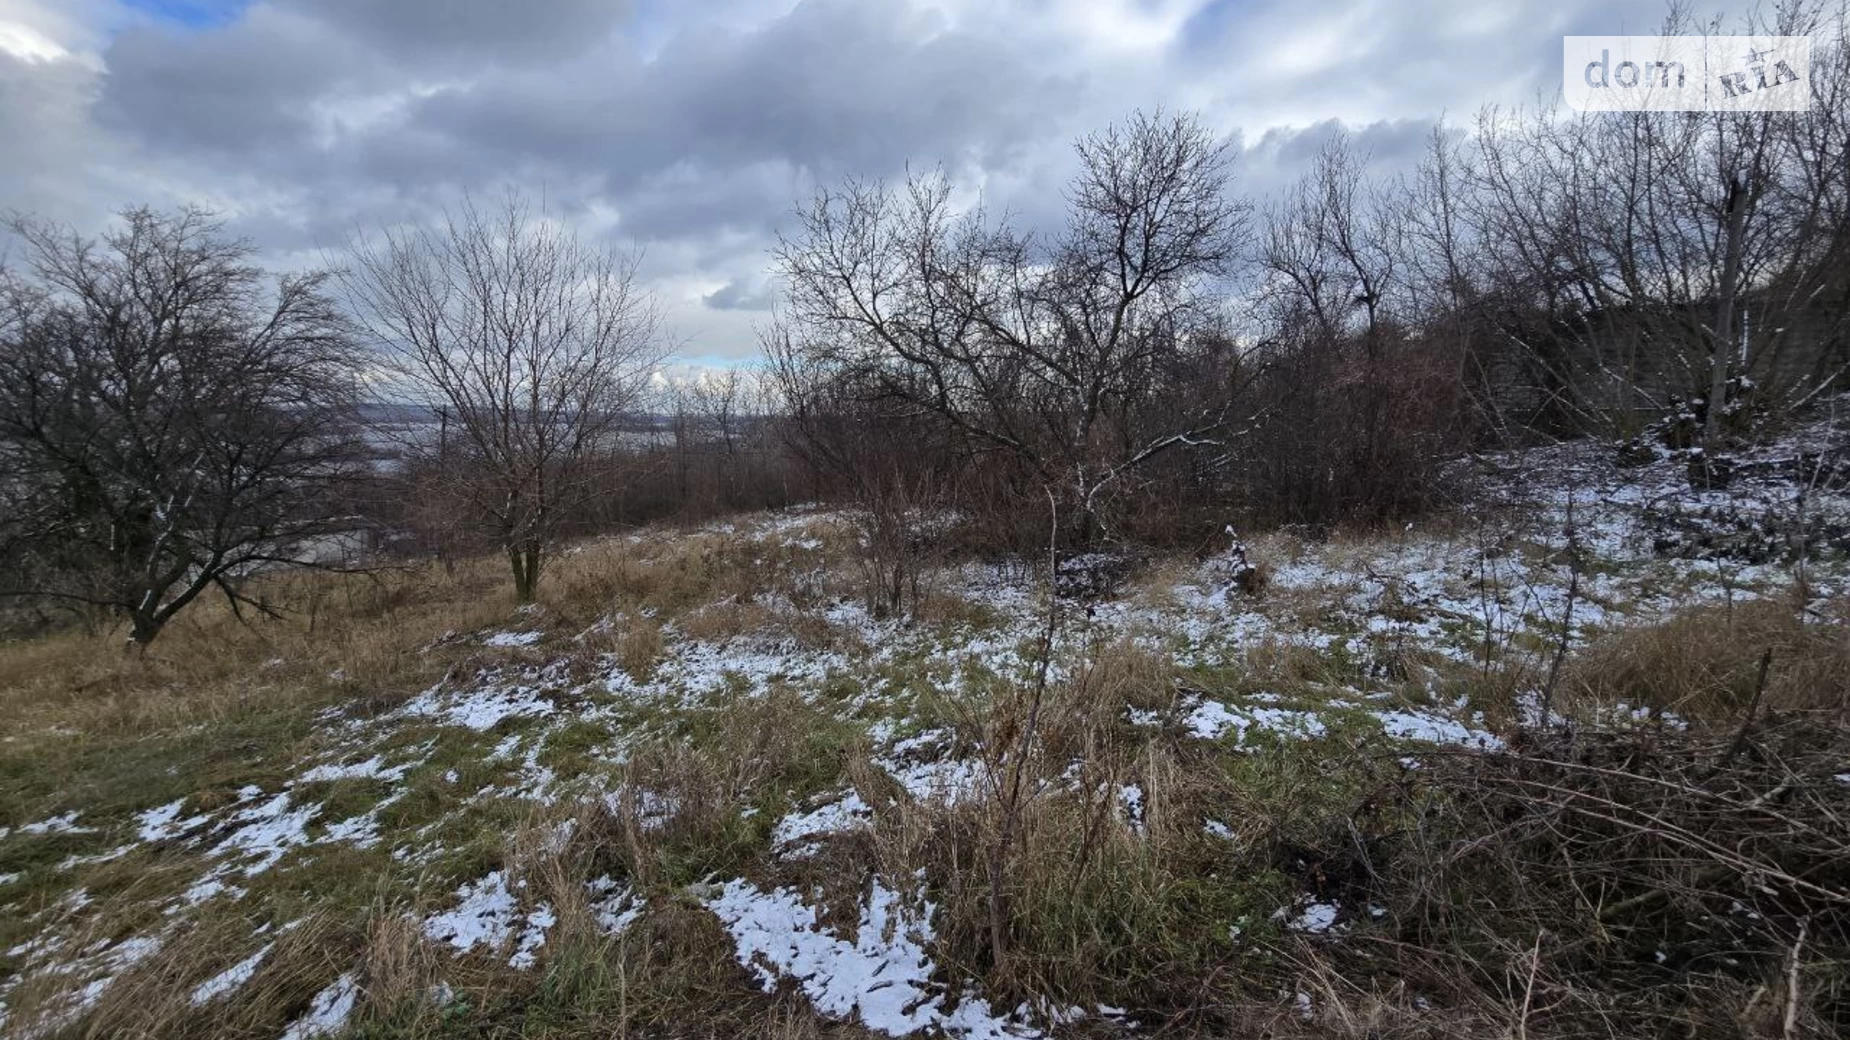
x=690, y=127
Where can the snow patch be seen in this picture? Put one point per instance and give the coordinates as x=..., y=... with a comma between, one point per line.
x=267, y=833
x=163, y=822
x=1435, y=729
x=847, y=813
x=373, y=768
x=1314, y=918
x=66, y=824
x=328, y=1012
x=882, y=976
x=532, y=937
x=1212, y=720
x=613, y=904
x=479, y=709
x=229, y=979
x=485, y=916
x=1130, y=798
x=488, y=914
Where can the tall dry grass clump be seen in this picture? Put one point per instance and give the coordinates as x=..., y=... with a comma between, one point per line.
x=1704, y=664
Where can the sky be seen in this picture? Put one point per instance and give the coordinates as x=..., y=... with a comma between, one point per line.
x=690, y=130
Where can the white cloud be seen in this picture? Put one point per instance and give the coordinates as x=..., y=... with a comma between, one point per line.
x=28, y=44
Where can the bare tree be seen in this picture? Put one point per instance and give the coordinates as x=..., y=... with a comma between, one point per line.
x=1057, y=351
x=718, y=400
x=1632, y=259
x=532, y=343
x=710, y=423
x=168, y=422
x=883, y=455
x=1359, y=407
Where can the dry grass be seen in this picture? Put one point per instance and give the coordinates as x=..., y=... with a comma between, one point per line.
x=941, y=607
x=640, y=647
x=1466, y=860
x=154, y=998
x=335, y=633
x=1493, y=886
x=1645, y=882
x=1703, y=664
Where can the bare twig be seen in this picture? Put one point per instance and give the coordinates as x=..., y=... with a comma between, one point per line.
x=1747, y=721
x=1790, y=1024
x=1528, y=989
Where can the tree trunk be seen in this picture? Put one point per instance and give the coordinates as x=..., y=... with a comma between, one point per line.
x=525, y=559
x=1084, y=525
x=1724, y=312
x=143, y=628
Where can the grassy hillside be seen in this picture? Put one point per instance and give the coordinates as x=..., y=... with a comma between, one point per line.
x=701, y=791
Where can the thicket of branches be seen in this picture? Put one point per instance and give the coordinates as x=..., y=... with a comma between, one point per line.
x=1177, y=356
x=171, y=420
x=529, y=345
x=1078, y=357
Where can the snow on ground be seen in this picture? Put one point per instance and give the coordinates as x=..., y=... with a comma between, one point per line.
x=488, y=914
x=695, y=669
x=945, y=781
x=1212, y=720
x=613, y=904
x=373, y=768
x=1314, y=918
x=92, y=970
x=230, y=979
x=881, y=977
x=1434, y=729
x=163, y=822
x=485, y=916
x=65, y=824
x=1491, y=580
x=265, y=833
x=532, y=937
x=479, y=708
x=328, y=1012
x=843, y=813
x=1130, y=800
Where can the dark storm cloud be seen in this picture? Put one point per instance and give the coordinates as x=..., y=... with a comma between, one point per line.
x=834, y=87
x=693, y=128
x=247, y=88
x=705, y=135
x=506, y=29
